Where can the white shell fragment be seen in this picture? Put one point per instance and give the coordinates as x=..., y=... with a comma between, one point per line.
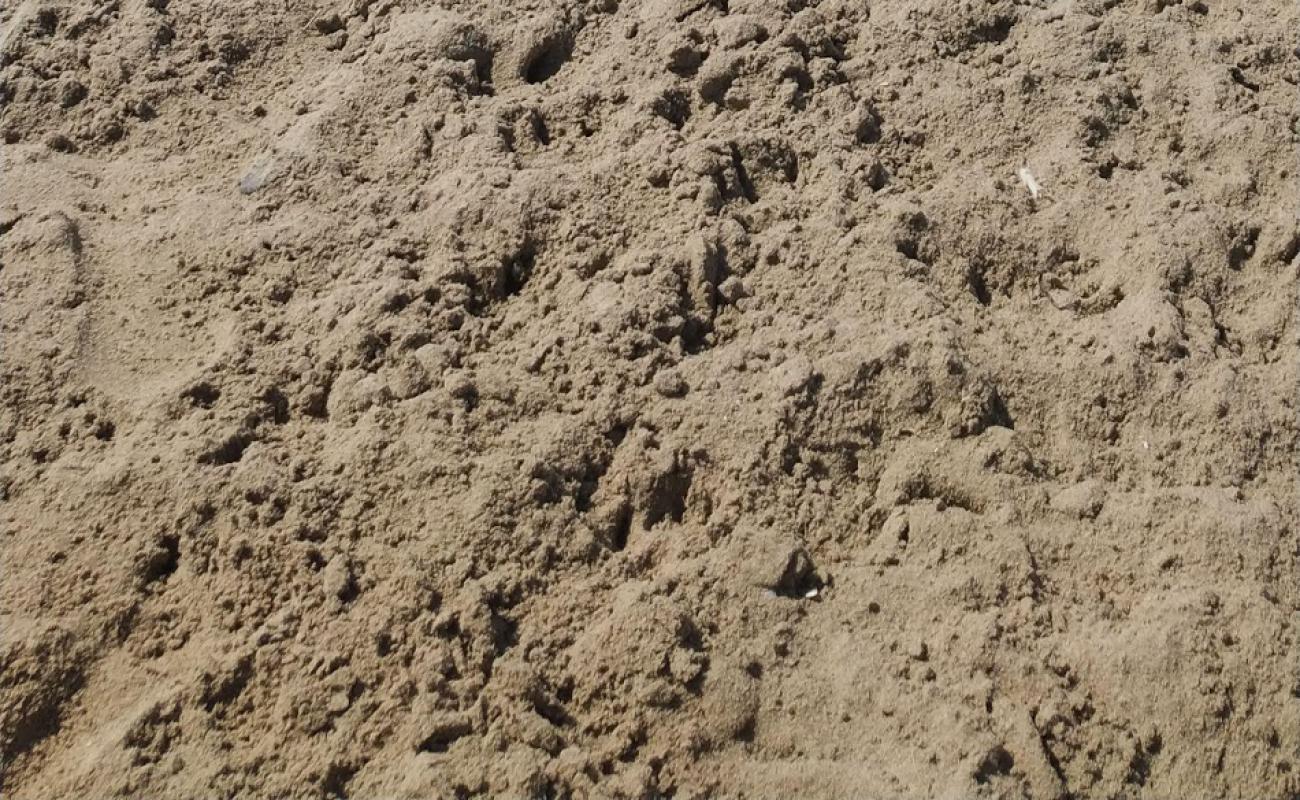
x=1030, y=182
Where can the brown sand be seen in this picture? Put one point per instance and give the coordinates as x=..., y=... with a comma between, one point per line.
x=674, y=398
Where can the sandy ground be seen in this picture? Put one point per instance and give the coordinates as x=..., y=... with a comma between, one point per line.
x=674, y=398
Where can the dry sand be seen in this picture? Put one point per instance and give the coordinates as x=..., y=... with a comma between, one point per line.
x=674, y=398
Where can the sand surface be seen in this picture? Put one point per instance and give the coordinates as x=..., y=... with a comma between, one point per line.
x=649, y=398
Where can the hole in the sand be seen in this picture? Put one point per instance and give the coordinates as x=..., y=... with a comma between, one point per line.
x=104, y=430
x=277, y=405
x=227, y=687
x=516, y=270
x=202, y=395
x=668, y=497
x=616, y=434
x=1243, y=249
x=1292, y=249
x=997, y=762
x=547, y=59
x=622, y=529
x=29, y=730
x=540, y=131
x=441, y=740
x=552, y=712
x=165, y=561
x=992, y=32
x=868, y=128
x=336, y=780
x=229, y=451
x=978, y=286
x=877, y=177
x=674, y=106
x=743, y=181
x=747, y=731
x=505, y=633
x=47, y=22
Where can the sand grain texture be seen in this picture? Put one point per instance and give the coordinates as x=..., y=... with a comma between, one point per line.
x=675, y=398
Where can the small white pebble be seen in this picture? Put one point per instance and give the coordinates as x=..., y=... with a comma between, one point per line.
x=1030, y=182
x=811, y=593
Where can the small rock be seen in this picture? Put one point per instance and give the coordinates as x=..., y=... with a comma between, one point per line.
x=736, y=30
x=670, y=383
x=681, y=54
x=336, y=578
x=708, y=194
x=716, y=77
x=339, y=702
x=1063, y=299
x=896, y=528
x=793, y=375
x=278, y=627
x=71, y=92
x=408, y=380
x=865, y=125
x=262, y=172
x=326, y=24
x=778, y=563
x=1083, y=500
x=354, y=392
x=1057, y=293
x=686, y=665
x=732, y=290
x=440, y=728
x=461, y=385
x=60, y=143
x=433, y=358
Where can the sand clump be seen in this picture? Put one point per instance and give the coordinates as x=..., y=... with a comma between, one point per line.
x=649, y=399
